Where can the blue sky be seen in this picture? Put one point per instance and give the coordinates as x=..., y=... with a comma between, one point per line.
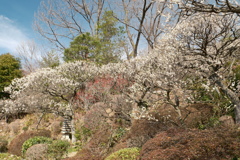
x=16, y=18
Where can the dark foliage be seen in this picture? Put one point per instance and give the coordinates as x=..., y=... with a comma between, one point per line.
x=176, y=144
x=15, y=146
x=9, y=69
x=3, y=145
x=141, y=131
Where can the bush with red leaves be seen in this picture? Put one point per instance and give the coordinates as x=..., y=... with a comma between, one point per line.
x=15, y=146
x=96, y=90
x=178, y=144
x=143, y=130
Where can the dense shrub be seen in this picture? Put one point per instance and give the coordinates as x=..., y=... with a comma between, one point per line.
x=37, y=152
x=35, y=140
x=83, y=134
x=15, y=146
x=86, y=154
x=57, y=149
x=192, y=115
x=7, y=156
x=176, y=144
x=48, y=149
x=197, y=115
x=101, y=141
x=141, y=131
x=125, y=154
x=3, y=145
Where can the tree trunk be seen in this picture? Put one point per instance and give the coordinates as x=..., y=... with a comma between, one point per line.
x=144, y=11
x=232, y=96
x=237, y=113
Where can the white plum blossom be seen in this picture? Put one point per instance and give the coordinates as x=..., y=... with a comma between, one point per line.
x=198, y=46
x=49, y=89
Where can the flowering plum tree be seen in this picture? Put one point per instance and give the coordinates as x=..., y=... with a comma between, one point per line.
x=59, y=84
x=207, y=47
x=48, y=90
x=202, y=45
x=152, y=78
x=215, y=6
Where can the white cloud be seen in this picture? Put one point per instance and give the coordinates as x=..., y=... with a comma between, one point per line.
x=10, y=35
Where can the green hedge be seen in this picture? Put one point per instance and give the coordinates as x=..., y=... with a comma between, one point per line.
x=57, y=149
x=35, y=140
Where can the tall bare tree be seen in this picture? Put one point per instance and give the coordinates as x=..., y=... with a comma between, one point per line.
x=29, y=53
x=146, y=20
x=33, y=57
x=61, y=20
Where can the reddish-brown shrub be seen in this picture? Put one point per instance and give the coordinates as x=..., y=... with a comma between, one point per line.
x=192, y=115
x=218, y=143
x=143, y=130
x=15, y=146
x=85, y=154
x=196, y=114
